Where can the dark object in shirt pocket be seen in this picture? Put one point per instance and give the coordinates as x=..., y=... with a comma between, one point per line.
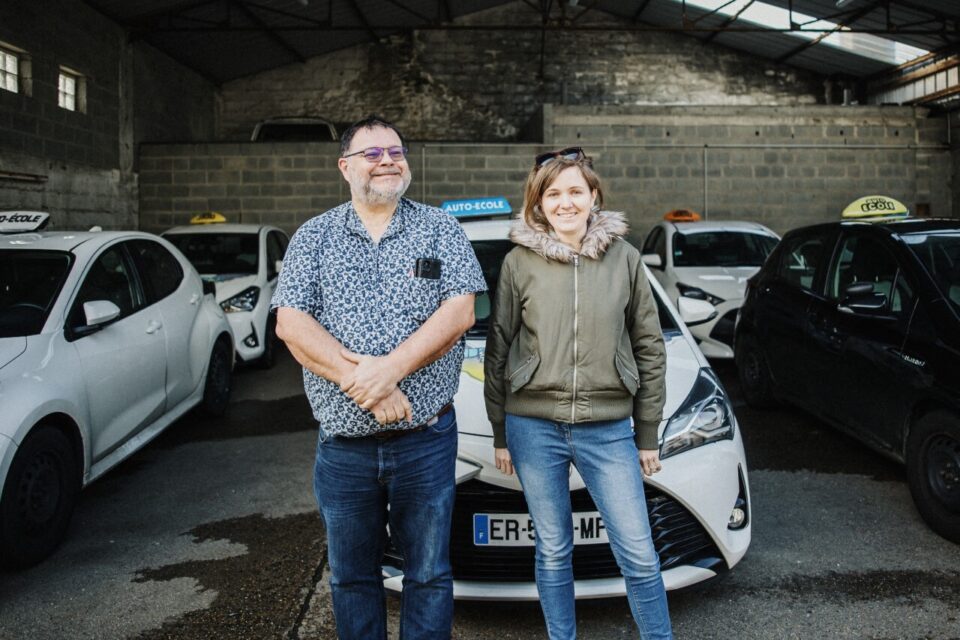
x=428, y=268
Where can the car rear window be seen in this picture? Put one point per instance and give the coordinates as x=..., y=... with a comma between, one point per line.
x=219, y=254
x=29, y=284
x=721, y=249
x=490, y=255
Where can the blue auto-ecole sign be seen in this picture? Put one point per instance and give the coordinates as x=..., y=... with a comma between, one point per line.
x=476, y=207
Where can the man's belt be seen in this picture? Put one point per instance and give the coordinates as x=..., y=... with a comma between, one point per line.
x=395, y=433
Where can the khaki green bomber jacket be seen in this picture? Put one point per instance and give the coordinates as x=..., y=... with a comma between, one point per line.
x=575, y=337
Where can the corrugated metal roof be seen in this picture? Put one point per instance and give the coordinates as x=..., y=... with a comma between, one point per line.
x=229, y=39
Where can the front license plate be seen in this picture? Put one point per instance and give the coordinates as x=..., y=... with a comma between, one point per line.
x=516, y=529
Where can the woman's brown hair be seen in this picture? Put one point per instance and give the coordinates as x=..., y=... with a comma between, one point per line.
x=540, y=179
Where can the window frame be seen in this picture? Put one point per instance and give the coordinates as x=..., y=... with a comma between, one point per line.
x=79, y=94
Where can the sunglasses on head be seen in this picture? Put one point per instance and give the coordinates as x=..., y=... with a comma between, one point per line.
x=570, y=153
x=373, y=154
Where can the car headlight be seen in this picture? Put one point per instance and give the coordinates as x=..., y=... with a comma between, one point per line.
x=697, y=293
x=705, y=416
x=246, y=300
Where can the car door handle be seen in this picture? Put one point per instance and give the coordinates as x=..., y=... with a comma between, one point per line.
x=195, y=298
x=153, y=326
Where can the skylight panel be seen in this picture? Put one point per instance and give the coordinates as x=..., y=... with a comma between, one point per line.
x=861, y=44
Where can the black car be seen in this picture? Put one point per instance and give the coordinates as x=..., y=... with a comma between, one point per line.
x=859, y=323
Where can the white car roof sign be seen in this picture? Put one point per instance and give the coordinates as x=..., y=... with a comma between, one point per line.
x=22, y=221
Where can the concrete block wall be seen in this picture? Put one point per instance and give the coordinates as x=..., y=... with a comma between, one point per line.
x=783, y=167
x=80, y=166
x=485, y=86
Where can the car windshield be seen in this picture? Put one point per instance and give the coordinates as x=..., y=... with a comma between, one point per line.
x=219, y=254
x=940, y=254
x=29, y=284
x=490, y=254
x=721, y=249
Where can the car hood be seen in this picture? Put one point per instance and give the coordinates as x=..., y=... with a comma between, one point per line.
x=683, y=368
x=229, y=285
x=728, y=283
x=10, y=349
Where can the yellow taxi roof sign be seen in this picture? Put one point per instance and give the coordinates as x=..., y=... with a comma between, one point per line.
x=880, y=207
x=208, y=217
x=681, y=215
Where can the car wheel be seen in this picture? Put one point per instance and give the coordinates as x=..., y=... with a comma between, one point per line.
x=753, y=372
x=219, y=382
x=933, y=471
x=269, y=356
x=39, y=495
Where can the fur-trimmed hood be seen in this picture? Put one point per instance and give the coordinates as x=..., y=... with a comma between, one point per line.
x=604, y=227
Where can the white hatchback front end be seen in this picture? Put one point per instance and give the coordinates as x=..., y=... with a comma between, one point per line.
x=699, y=505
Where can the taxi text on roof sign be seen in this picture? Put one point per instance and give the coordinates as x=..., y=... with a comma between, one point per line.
x=476, y=207
x=19, y=221
x=875, y=207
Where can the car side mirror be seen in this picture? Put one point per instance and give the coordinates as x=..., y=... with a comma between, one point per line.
x=860, y=298
x=694, y=312
x=278, y=265
x=100, y=312
x=652, y=260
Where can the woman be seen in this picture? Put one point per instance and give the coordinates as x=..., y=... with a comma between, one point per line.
x=574, y=352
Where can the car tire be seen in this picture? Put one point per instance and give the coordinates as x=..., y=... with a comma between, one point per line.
x=269, y=356
x=219, y=382
x=933, y=471
x=754, y=373
x=38, y=498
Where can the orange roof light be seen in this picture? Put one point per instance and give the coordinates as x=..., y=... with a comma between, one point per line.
x=681, y=215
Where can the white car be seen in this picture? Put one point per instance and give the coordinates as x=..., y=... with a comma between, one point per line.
x=699, y=505
x=243, y=260
x=105, y=339
x=708, y=261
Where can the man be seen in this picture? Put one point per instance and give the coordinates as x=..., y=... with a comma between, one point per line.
x=373, y=301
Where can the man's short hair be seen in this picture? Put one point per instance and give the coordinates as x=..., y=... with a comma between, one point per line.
x=370, y=122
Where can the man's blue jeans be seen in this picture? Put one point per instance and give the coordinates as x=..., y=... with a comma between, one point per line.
x=355, y=479
x=607, y=459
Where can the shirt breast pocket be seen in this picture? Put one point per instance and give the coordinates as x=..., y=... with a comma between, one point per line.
x=421, y=298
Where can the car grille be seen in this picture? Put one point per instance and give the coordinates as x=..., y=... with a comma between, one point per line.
x=678, y=537
x=723, y=330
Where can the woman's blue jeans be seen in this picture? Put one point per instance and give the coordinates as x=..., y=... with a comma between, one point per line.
x=355, y=479
x=607, y=459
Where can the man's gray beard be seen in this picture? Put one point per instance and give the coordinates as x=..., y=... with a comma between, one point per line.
x=374, y=197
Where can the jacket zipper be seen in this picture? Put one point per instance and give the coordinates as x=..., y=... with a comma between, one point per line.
x=576, y=314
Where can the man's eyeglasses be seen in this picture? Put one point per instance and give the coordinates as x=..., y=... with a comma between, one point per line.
x=373, y=154
x=570, y=153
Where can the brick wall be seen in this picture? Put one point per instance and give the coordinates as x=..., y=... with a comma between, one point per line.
x=81, y=165
x=784, y=167
x=487, y=85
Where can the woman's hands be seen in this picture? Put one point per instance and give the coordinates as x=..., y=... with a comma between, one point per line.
x=649, y=461
x=503, y=460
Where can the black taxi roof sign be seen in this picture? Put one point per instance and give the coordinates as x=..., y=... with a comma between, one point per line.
x=23, y=221
x=875, y=208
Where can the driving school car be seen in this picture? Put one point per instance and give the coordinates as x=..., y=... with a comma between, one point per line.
x=106, y=338
x=709, y=262
x=243, y=260
x=698, y=505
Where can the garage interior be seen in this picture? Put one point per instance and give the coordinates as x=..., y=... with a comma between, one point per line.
x=138, y=113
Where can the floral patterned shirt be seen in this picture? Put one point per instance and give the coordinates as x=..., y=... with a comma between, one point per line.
x=368, y=297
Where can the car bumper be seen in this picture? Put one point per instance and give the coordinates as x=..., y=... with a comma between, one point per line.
x=689, y=504
x=247, y=337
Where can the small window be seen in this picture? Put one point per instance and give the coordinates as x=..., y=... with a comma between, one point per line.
x=160, y=271
x=864, y=260
x=108, y=279
x=15, y=70
x=275, y=251
x=800, y=260
x=72, y=91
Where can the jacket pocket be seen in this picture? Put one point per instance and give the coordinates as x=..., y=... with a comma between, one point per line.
x=521, y=375
x=628, y=373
